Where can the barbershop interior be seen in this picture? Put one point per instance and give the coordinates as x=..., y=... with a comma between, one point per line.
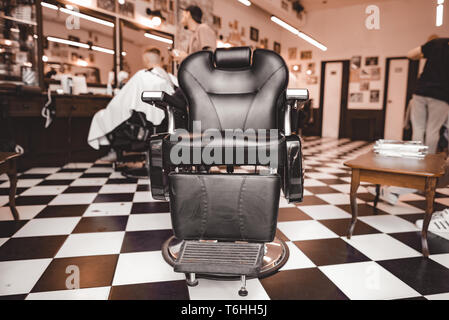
x=224, y=150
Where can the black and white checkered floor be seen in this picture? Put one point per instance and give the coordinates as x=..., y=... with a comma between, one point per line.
x=87, y=216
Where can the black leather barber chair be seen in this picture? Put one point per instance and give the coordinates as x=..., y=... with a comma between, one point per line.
x=239, y=114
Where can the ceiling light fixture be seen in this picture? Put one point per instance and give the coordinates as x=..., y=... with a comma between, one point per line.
x=96, y=48
x=87, y=17
x=440, y=13
x=69, y=42
x=298, y=33
x=48, y=5
x=158, y=38
x=245, y=2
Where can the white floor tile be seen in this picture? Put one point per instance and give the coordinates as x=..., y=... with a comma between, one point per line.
x=89, y=244
x=443, y=201
x=4, y=200
x=313, y=183
x=398, y=209
x=305, y=230
x=324, y=212
x=25, y=212
x=43, y=170
x=381, y=247
x=144, y=267
x=389, y=223
x=73, y=198
x=23, y=183
x=3, y=240
x=47, y=227
x=346, y=188
x=44, y=190
x=19, y=277
x=441, y=296
x=152, y=221
x=65, y=176
x=101, y=293
x=367, y=281
x=99, y=170
x=118, y=188
x=283, y=203
x=296, y=259
x=142, y=196
x=108, y=209
x=411, y=197
x=227, y=290
x=318, y=175
x=337, y=198
x=89, y=182
x=442, y=259
x=78, y=165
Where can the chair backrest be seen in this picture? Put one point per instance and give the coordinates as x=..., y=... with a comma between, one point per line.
x=229, y=89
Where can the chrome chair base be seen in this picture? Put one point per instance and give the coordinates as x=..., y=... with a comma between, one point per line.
x=276, y=255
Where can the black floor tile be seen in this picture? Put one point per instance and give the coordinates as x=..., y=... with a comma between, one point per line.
x=167, y=290
x=137, y=241
x=341, y=227
x=94, y=271
x=301, y=284
x=62, y=211
x=292, y=214
x=14, y=297
x=32, y=176
x=311, y=201
x=101, y=224
x=422, y=274
x=5, y=191
x=56, y=182
x=421, y=204
x=114, y=197
x=143, y=187
x=33, y=200
x=9, y=228
x=96, y=175
x=362, y=209
x=324, y=252
x=150, y=207
x=332, y=181
x=321, y=190
x=122, y=181
x=437, y=245
x=31, y=248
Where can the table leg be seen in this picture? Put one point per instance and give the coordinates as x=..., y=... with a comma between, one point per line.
x=376, y=198
x=355, y=183
x=12, y=175
x=430, y=197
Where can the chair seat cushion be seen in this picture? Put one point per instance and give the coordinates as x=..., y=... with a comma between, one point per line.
x=263, y=147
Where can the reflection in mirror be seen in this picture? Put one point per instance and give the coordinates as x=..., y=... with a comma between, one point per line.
x=136, y=40
x=77, y=44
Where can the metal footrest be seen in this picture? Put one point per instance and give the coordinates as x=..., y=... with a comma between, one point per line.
x=220, y=258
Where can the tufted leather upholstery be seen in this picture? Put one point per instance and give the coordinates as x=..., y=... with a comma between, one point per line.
x=225, y=91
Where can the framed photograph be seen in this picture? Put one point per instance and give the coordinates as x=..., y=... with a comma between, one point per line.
x=356, y=62
x=371, y=61
x=108, y=5
x=364, y=86
x=74, y=57
x=254, y=34
x=306, y=55
x=264, y=43
x=356, y=97
x=217, y=22
x=374, y=96
x=277, y=47
x=292, y=53
x=126, y=9
x=375, y=73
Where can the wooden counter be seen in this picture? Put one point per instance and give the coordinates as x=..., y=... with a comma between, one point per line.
x=65, y=140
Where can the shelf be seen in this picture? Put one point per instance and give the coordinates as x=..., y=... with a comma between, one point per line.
x=33, y=23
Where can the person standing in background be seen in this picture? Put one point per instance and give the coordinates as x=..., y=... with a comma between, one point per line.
x=429, y=107
x=203, y=37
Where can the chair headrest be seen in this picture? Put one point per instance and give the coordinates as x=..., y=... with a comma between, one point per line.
x=233, y=58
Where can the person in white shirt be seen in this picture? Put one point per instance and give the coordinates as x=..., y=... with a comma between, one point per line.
x=121, y=107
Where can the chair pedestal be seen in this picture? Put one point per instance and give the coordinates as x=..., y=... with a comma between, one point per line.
x=276, y=255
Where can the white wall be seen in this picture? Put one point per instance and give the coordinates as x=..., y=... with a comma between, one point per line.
x=405, y=24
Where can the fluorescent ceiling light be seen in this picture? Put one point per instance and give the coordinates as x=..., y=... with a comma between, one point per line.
x=300, y=34
x=440, y=11
x=69, y=42
x=87, y=17
x=245, y=2
x=158, y=38
x=102, y=49
x=48, y=5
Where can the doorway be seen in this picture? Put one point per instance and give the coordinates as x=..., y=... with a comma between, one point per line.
x=333, y=97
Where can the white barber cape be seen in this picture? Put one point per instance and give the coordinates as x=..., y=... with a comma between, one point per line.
x=120, y=108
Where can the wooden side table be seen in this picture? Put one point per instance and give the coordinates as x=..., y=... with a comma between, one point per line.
x=8, y=166
x=421, y=174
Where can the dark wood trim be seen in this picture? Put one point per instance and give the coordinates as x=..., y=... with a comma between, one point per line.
x=40, y=46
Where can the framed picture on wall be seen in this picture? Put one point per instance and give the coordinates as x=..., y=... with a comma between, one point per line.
x=374, y=96
x=372, y=61
x=108, y=5
x=127, y=9
x=292, y=53
x=306, y=55
x=254, y=34
x=277, y=47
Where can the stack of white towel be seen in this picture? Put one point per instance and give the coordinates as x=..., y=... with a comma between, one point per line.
x=404, y=149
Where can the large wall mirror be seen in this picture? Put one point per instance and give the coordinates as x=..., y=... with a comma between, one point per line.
x=79, y=42
x=135, y=40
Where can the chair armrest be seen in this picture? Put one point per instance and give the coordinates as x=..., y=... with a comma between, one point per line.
x=162, y=100
x=299, y=95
